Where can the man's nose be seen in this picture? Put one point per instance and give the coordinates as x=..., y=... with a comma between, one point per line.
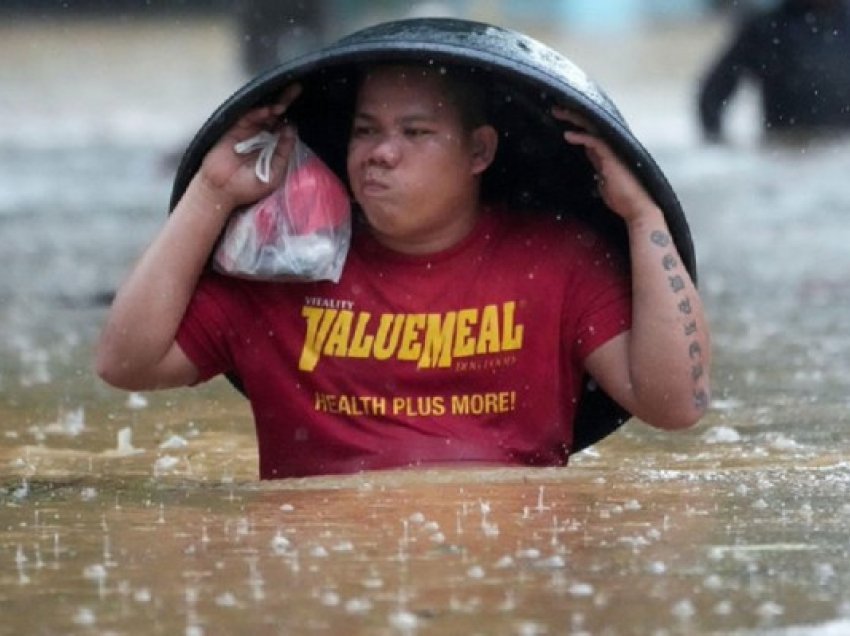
x=386, y=151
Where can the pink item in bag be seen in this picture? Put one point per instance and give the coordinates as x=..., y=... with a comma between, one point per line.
x=301, y=231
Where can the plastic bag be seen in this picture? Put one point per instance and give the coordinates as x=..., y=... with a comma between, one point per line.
x=299, y=232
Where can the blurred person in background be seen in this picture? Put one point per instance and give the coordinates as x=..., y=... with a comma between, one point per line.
x=798, y=53
x=273, y=31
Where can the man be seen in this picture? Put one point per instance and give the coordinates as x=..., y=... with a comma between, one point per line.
x=798, y=55
x=458, y=333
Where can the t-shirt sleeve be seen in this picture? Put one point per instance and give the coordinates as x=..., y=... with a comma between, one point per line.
x=600, y=306
x=205, y=333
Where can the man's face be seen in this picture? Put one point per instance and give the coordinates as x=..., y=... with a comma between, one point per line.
x=412, y=167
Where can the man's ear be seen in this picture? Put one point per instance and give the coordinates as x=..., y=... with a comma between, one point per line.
x=485, y=141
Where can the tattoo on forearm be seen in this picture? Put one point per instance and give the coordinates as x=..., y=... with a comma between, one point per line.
x=670, y=262
x=661, y=239
x=677, y=283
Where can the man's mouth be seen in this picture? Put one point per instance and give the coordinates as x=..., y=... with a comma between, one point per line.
x=372, y=185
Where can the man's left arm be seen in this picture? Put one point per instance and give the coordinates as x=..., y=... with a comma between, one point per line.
x=659, y=370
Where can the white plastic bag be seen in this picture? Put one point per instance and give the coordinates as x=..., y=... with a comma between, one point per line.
x=300, y=232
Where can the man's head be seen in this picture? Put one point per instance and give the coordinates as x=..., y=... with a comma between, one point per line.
x=419, y=145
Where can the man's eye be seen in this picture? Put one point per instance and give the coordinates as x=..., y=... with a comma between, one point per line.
x=363, y=131
x=416, y=132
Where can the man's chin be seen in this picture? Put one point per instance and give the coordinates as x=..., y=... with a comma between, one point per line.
x=383, y=220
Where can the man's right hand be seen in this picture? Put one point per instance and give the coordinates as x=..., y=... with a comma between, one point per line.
x=229, y=177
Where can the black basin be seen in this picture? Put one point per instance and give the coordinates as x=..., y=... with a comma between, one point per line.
x=535, y=169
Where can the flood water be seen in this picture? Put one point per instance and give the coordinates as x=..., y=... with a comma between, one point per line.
x=126, y=514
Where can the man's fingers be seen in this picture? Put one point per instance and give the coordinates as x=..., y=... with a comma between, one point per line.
x=268, y=116
x=286, y=142
x=579, y=138
x=595, y=148
x=565, y=114
x=289, y=95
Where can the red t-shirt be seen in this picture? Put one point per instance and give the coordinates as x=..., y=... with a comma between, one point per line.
x=474, y=354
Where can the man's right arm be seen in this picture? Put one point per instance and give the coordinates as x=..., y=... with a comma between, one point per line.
x=137, y=348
